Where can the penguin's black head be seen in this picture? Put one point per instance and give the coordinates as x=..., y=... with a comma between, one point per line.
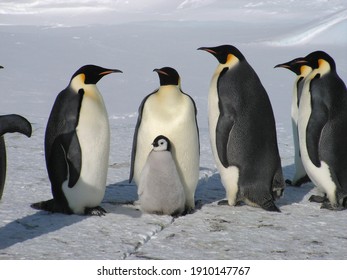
x=223, y=53
x=1, y=67
x=315, y=58
x=168, y=76
x=161, y=143
x=93, y=73
x=294, y=65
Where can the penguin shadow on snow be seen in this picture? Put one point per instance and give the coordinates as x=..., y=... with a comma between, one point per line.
x=209, y=190
x=120, y=198
x=35, y=225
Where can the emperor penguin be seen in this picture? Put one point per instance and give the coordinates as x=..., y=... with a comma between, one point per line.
x=243, y=132
x=322, y=126
x=160, y=189
x=171, y=112
x=77, y=144
x=301, y=69
x=9, y=124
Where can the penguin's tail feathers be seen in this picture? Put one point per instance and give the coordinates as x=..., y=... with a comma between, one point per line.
x=270, y=206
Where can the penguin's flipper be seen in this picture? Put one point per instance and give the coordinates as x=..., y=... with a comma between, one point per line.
x=318, y=119
x=223, y=130
x=15, y=123
x=138, y=123
x=73, y=157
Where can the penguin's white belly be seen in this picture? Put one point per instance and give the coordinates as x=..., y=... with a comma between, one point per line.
x=320, y=176
x=299, y=167
x=229, y=175
x=180, y=127
x=94, y=139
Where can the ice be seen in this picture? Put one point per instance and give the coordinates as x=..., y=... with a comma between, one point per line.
x=44, y=42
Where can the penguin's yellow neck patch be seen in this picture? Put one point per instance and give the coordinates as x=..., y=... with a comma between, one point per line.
x=78, y=82
x=232, y=60
x=323, y=66
x=305, y=70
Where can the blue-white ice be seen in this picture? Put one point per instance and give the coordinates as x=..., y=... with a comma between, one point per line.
x=44, y=42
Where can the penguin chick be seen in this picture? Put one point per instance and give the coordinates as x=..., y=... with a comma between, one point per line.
x=160, y=188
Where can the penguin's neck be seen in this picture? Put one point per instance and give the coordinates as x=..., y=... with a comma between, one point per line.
x=169, y=94
x=90, y=90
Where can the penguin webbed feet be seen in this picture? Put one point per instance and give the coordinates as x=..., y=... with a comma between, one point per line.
x=299, y=182
x=95, y=211
x=318, y=199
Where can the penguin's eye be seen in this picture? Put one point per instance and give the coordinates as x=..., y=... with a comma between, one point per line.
x=162, y=143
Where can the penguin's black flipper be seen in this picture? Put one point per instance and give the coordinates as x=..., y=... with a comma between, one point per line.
x=317, y=121
x=73, y=155
x=138, y=123
x=15, y=123
x=223, y=129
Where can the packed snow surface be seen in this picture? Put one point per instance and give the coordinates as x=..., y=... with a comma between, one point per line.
x=44, y=42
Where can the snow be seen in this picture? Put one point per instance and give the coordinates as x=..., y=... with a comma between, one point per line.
x=44, y=42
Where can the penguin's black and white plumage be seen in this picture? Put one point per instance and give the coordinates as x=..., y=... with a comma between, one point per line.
x=301, y=69
x=9, y=124
x=160, y=189
x=77, y=143
x=242, y=132
x=322, y=126
x=169, y=111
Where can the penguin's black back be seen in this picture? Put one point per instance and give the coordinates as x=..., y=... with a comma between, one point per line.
x=252, y=142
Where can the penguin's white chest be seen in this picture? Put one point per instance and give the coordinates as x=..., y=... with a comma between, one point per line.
x=94, y=138
x=229, y=175
x=320, y=176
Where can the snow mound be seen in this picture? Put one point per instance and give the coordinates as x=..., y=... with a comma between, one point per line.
x=330, y=30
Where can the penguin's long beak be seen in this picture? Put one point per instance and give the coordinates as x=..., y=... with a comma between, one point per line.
x=210, y=50
x=109, y=71
x=159, y=71
x=290, y=64
x=282, y=65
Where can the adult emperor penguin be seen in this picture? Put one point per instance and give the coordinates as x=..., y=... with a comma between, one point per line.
x=77, y=144
x=322, y=130
x=301, y=69
x=8, y=124
x=242, y=132
x=169, y=111
x=160, y=188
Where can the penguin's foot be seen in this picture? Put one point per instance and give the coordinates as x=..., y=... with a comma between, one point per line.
x=298, y=182
x=318, y=199
x=223, y=202
x=51, y=206
x=95, y=211
x=327, y=205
